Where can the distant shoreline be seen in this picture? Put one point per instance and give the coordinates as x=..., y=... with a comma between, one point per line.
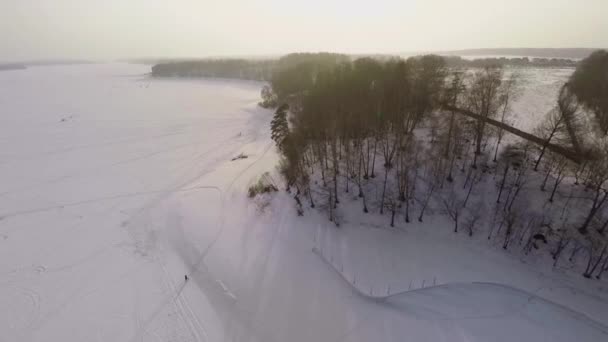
x=12, y=66
x=567, y=53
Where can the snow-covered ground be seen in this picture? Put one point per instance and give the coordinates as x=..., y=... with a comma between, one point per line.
x=113, y=186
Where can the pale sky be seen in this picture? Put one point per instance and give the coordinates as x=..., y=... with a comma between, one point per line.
x=110, y=29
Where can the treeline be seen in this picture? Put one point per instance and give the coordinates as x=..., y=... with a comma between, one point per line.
x=245, y=69
x=412, y=138
x=217, y=68
x=455, y=61
x=11, y=66
x=568, y=53
x=275, y=69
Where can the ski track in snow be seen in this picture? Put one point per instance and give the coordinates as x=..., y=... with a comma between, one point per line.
x=177, y=291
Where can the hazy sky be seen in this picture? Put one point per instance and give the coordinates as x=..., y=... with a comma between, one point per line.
x=109, y=29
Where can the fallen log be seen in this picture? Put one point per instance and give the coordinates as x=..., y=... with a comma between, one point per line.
x=576, y=156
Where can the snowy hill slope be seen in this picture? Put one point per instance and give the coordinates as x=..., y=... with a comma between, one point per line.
x=114, y=186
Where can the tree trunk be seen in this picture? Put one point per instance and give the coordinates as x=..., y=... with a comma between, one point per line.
x=588, y=271
x=479, y=138
x=497, y=145
x=383, y=190
x=359, y=173
x=367, y=160
x=502, y=184
x=603, y=229
x=542, y=186
x=603, y=268
x=560, y=248
x=312, y=203
x=426, y=202
x=469, y=192
x=449, y=140
x=373, y=175
x=594, y=209
x=542, y=153
x=331, y=207
x=335, y=166
x=555, y=185
x=407, y=198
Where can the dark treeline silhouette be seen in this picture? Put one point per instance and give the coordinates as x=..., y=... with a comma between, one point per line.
x=267, y=69
x=569, y=53
x=416, y=137
x=247, y=69
x=454, y=61
x=11, y=66
x=220, y=68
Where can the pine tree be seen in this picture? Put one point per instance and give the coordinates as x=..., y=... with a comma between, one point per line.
x=279, y=127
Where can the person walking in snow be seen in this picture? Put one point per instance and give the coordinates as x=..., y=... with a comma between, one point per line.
x=185, y=277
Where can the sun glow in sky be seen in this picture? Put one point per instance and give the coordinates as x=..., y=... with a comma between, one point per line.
x=109, y=29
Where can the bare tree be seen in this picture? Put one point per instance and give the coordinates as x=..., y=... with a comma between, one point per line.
x=593, y=259
x=603, y=268
x=453, y=207
x=511, y=218
x=433, y=179
x=473, y=217
x=561, y=167
x=452, y=94
x=597, y=180
x=562, y=243
x=561, y=124
x=485, y=99
x=509, y=92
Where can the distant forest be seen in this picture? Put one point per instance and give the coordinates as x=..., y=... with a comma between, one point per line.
x=263, y=70
x=11, y=66
x=258, y=70
x=569, y=53
x=455, y=61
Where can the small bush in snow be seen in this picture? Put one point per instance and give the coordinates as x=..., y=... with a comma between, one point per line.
x=264, y=185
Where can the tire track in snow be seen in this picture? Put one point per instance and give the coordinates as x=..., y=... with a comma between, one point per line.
x=97, y=169
x=5, y=216
x=94, y=145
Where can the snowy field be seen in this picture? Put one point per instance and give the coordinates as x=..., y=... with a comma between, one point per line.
x=113, y=186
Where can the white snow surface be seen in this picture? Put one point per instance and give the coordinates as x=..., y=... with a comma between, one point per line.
x=113, y=186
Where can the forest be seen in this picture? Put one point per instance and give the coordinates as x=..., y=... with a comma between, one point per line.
x=266, y=69
x=420, y=137
x=455, y=61
x=11, y=66
x=244, y=69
